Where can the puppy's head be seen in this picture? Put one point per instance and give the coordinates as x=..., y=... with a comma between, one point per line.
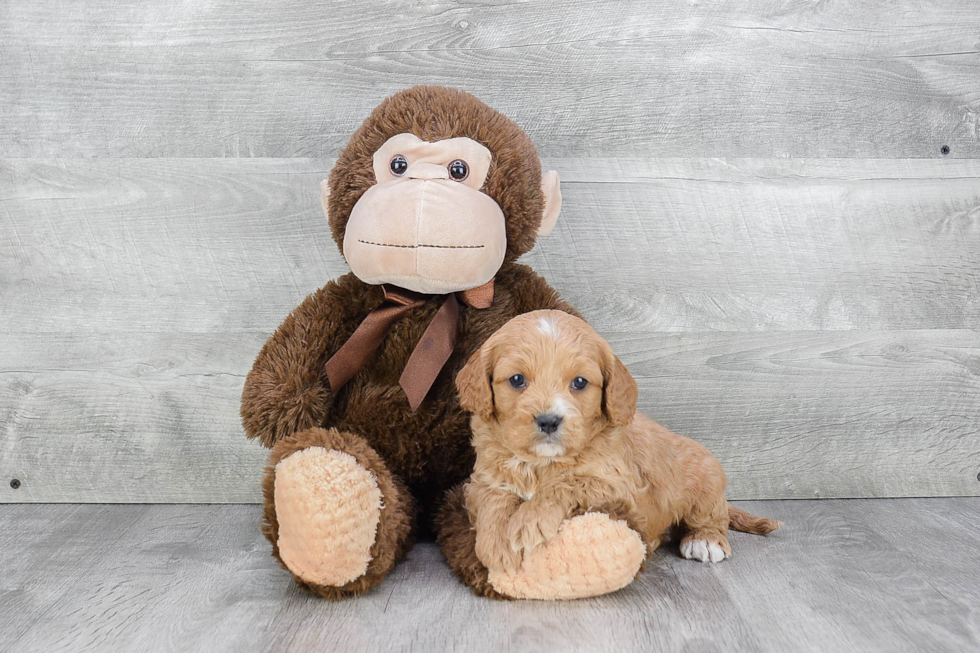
x=546, y=382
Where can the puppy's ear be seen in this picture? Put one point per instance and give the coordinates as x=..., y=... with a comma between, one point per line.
x=473, y=383
x=619, y=390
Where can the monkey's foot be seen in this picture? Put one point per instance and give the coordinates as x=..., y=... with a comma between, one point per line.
x=328, y=508
x=591, y=555
x=336, y=517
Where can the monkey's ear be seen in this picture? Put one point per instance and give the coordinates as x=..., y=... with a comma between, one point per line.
x=551, y=189
x=619, y=391
x=325, y=197
x=473, y=384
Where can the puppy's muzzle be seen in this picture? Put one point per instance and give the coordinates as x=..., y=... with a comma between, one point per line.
x=548, y=423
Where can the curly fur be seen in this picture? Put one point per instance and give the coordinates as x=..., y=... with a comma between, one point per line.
x=604, y=454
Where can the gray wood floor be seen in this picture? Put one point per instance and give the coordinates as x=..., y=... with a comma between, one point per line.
x=875, y=575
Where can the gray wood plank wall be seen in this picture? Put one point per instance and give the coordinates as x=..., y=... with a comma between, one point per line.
x=757, y=214
x=286, y=78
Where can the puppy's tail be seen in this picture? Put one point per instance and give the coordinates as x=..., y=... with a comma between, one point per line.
x=739, y=520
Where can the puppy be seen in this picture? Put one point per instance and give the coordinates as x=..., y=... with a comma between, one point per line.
x=557, y=434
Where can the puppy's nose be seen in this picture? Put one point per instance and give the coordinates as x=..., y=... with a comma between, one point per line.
x=548, y=423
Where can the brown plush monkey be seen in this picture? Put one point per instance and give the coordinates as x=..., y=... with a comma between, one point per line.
x=431, y=203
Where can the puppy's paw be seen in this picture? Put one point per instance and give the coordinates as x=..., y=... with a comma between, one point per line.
x=703, y=550
x=496, y=553
x=532, y=525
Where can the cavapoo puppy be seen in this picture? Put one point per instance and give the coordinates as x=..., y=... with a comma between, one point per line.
x=557, y=434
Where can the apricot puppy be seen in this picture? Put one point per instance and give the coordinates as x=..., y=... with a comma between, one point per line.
x=557, y=434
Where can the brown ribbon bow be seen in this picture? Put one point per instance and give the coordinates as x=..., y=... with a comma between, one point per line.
x=430, y=354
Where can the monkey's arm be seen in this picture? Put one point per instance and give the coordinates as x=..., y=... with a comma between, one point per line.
x=287, y=390
x=532, y=292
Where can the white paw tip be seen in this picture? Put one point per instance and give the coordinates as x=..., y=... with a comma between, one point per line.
x=702, y=550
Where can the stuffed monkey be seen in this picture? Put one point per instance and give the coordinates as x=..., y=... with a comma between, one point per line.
x=431, y=203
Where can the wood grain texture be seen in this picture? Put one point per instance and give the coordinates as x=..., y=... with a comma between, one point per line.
x=871, y=575
x=220, y=245
x=149, y=417
x=761, y=245
x=291, y=78
x=127, y=417
x=812, y=322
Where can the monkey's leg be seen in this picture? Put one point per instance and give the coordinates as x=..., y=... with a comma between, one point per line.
x=336, y=517
x=592, y=554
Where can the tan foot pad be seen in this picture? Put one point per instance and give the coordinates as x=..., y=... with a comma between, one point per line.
x=328, y=508
x=591, y=555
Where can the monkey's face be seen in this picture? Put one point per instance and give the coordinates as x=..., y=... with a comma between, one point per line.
x=425, y=225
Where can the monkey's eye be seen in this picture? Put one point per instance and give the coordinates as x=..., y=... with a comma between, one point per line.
x=398, y=165
x=458, y=170
x=579, y=383
x=517, y=381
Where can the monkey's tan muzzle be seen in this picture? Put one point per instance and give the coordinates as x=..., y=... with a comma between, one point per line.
x=426, y=233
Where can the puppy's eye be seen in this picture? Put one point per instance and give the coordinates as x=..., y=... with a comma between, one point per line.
x=517, y=381
x=578, y=383
x=398, y=165
x=458, y=170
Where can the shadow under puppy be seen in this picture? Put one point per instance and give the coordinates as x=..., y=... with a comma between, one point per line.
x=557, y=434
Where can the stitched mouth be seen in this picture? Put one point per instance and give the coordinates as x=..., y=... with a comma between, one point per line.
x=368, y=242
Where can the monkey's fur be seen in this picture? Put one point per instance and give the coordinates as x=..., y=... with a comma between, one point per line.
x=287, y=403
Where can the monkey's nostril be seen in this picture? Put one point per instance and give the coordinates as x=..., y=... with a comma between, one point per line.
x=548, y=423
x=427, y=172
